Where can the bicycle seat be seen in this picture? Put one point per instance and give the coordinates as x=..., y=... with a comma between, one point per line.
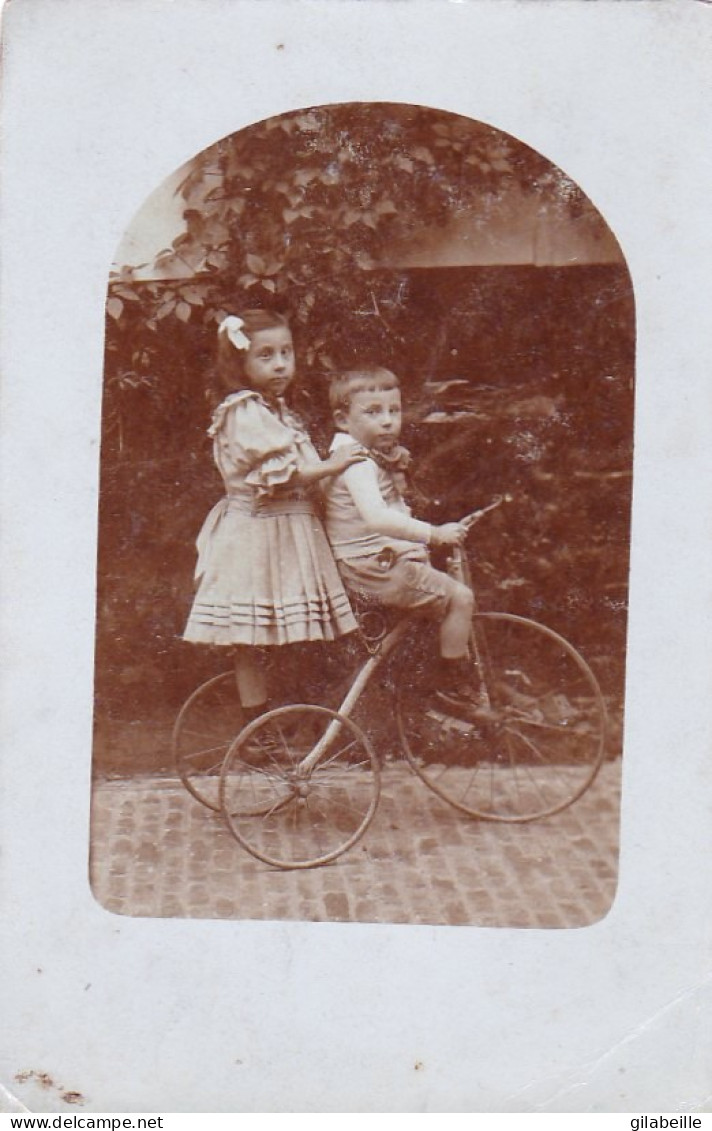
x=375, y=620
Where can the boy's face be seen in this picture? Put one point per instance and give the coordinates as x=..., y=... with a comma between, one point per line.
x=373, y=418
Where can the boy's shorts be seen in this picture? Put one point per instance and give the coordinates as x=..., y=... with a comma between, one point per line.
x=401, y=583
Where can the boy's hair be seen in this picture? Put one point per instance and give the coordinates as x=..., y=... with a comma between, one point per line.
x=368, y=380
x=229, y=361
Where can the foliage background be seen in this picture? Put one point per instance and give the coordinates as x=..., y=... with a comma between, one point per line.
x=518, y=378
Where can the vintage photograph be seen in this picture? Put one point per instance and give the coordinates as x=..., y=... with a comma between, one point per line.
x=364, y=524
x=355, y=564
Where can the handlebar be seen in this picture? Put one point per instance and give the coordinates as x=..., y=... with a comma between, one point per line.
x=458, y=566
x=469, y=520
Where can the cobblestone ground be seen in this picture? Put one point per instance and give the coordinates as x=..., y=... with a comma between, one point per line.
x=155, y=851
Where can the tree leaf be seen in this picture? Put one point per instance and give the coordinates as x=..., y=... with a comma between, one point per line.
x=269, y=285
x=114, y=307
x=216, y=232
x=363, y=260
x=216, y=259
x=165, y=309
x=124, y=292
x=255, y=263
x=183, y=310
x=304, y=177
x=192, y=294
x=308, y=122
x=422, y=153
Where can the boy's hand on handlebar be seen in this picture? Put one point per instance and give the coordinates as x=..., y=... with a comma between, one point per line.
x=449, y=534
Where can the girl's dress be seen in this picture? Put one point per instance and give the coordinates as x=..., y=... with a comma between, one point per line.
x=265, y=571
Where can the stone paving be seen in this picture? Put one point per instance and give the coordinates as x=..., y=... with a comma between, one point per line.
x=155, y=851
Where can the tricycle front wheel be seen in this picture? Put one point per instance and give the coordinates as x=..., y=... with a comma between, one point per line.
x=537, y=742
x=291, y=815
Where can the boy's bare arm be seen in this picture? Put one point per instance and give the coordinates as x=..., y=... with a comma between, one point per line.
x=380, y=518
x=376, y=514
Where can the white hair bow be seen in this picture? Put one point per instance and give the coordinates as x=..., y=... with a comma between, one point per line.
x=232, y=326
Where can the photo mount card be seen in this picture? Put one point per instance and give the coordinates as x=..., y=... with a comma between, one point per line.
x=143, y=933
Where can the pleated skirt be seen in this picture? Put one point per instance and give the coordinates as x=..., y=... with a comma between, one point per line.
x=266, y=579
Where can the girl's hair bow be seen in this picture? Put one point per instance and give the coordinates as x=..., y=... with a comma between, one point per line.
x=232, y=326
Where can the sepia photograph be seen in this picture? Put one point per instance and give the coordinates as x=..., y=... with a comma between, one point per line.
x=389, y=352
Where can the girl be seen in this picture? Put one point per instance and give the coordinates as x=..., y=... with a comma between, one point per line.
x=265, y=572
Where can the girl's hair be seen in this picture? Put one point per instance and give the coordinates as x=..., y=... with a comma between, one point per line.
x=230, y=361
x=367, y=380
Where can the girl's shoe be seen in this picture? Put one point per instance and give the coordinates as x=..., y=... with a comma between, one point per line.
x=262, y=747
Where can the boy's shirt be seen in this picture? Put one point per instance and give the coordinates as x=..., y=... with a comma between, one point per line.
x=365, y=513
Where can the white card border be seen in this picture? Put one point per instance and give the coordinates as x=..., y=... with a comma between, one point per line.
x=102, y=100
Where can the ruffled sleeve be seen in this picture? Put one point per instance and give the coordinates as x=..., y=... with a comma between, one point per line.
x=256, y=437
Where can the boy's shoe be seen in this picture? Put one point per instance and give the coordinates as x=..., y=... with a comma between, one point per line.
x=463, y=703
x=458, y=694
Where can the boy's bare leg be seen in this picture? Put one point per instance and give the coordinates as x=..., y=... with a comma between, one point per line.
x=456, y=627
x=457, y=683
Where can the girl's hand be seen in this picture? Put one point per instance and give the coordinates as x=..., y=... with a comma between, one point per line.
x=337, y=462
x=345, y=457
x=449, y=534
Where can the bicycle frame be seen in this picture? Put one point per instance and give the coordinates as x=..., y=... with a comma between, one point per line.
x=293, y=799
x=354, y=693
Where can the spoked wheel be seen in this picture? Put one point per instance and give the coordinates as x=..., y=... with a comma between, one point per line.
x=203, y=733
x=289, y=814
x=538, y=740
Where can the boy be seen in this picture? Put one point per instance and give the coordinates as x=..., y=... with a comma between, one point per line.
x=380, y=549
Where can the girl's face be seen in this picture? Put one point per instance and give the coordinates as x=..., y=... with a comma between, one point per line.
x=269, y=364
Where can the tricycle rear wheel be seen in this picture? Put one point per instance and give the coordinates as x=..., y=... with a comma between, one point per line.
x=204, y=730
